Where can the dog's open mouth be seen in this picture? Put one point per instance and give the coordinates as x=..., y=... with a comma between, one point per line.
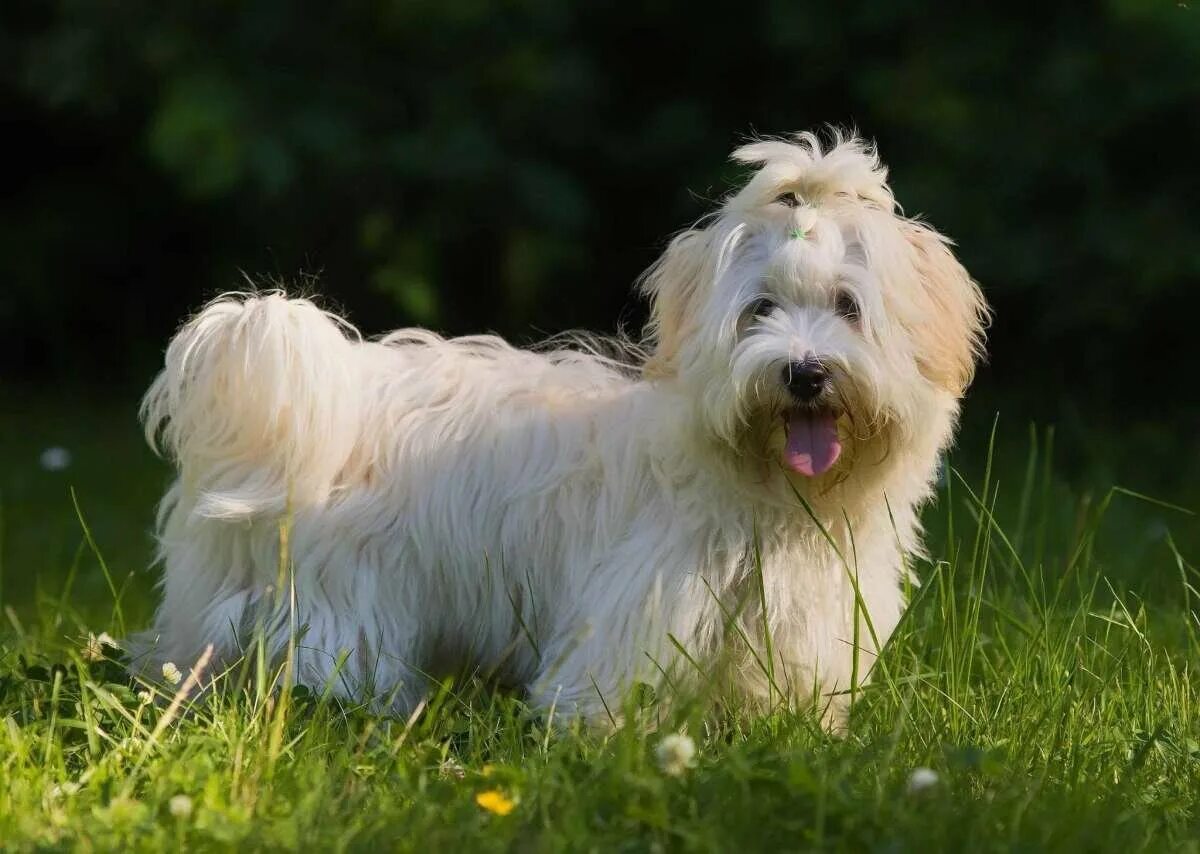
x=812, y=440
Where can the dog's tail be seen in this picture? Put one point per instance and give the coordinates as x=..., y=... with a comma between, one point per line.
x=258, y=404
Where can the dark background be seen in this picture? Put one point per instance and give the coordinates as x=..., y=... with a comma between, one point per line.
x=512, y=165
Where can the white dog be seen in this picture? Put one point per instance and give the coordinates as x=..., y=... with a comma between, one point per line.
x=740, y=501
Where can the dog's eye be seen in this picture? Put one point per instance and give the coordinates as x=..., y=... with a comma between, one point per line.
x=761, y=307
x=846, y=305
x=791, y=200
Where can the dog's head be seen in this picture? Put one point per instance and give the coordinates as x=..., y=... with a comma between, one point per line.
x=809, y=320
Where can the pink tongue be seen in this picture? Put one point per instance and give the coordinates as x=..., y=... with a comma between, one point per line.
x=812, y=442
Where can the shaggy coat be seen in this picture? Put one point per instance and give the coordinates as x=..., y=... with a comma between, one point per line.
x=571, y=523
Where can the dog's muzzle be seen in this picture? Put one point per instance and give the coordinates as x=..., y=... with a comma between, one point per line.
x=812, y=445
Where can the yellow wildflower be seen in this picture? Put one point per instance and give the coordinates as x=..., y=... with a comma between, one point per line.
x=495, y=801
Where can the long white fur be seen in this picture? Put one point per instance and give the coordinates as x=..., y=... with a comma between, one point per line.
x=554, y=517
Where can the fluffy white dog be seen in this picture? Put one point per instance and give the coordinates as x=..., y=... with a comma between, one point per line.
x=739, y=501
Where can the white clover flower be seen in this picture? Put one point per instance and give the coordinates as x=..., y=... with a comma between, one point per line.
x=676, y=753
x=93, y=650
x=171, y=673
x=62, y=790
x=180, y=806
x=130, y=745
x=921, y=780
x=55, y=459
x=144, y=698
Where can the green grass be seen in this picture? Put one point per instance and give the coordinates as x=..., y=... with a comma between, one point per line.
x=1045, y=672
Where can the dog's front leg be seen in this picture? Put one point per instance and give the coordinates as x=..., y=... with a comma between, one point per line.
x=614, y=635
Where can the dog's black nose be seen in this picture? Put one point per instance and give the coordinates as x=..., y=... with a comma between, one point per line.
x=805, y=380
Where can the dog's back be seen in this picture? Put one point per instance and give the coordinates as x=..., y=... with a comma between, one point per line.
x=410, y=468
x=263, y=400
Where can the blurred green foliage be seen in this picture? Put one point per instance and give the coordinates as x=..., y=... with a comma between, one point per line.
x=514, y=164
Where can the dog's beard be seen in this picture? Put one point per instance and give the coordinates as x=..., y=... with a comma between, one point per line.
x=819, y=435
x=821, y=442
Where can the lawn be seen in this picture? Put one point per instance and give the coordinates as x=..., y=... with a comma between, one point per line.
x=1040, y=694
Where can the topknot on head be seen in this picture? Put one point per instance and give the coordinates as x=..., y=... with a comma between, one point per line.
x=841, y=165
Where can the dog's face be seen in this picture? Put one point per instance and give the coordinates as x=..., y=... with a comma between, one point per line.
x=812, y=323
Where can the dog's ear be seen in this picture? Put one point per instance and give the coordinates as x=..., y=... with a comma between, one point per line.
x=672, y=284
x=951, y=313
